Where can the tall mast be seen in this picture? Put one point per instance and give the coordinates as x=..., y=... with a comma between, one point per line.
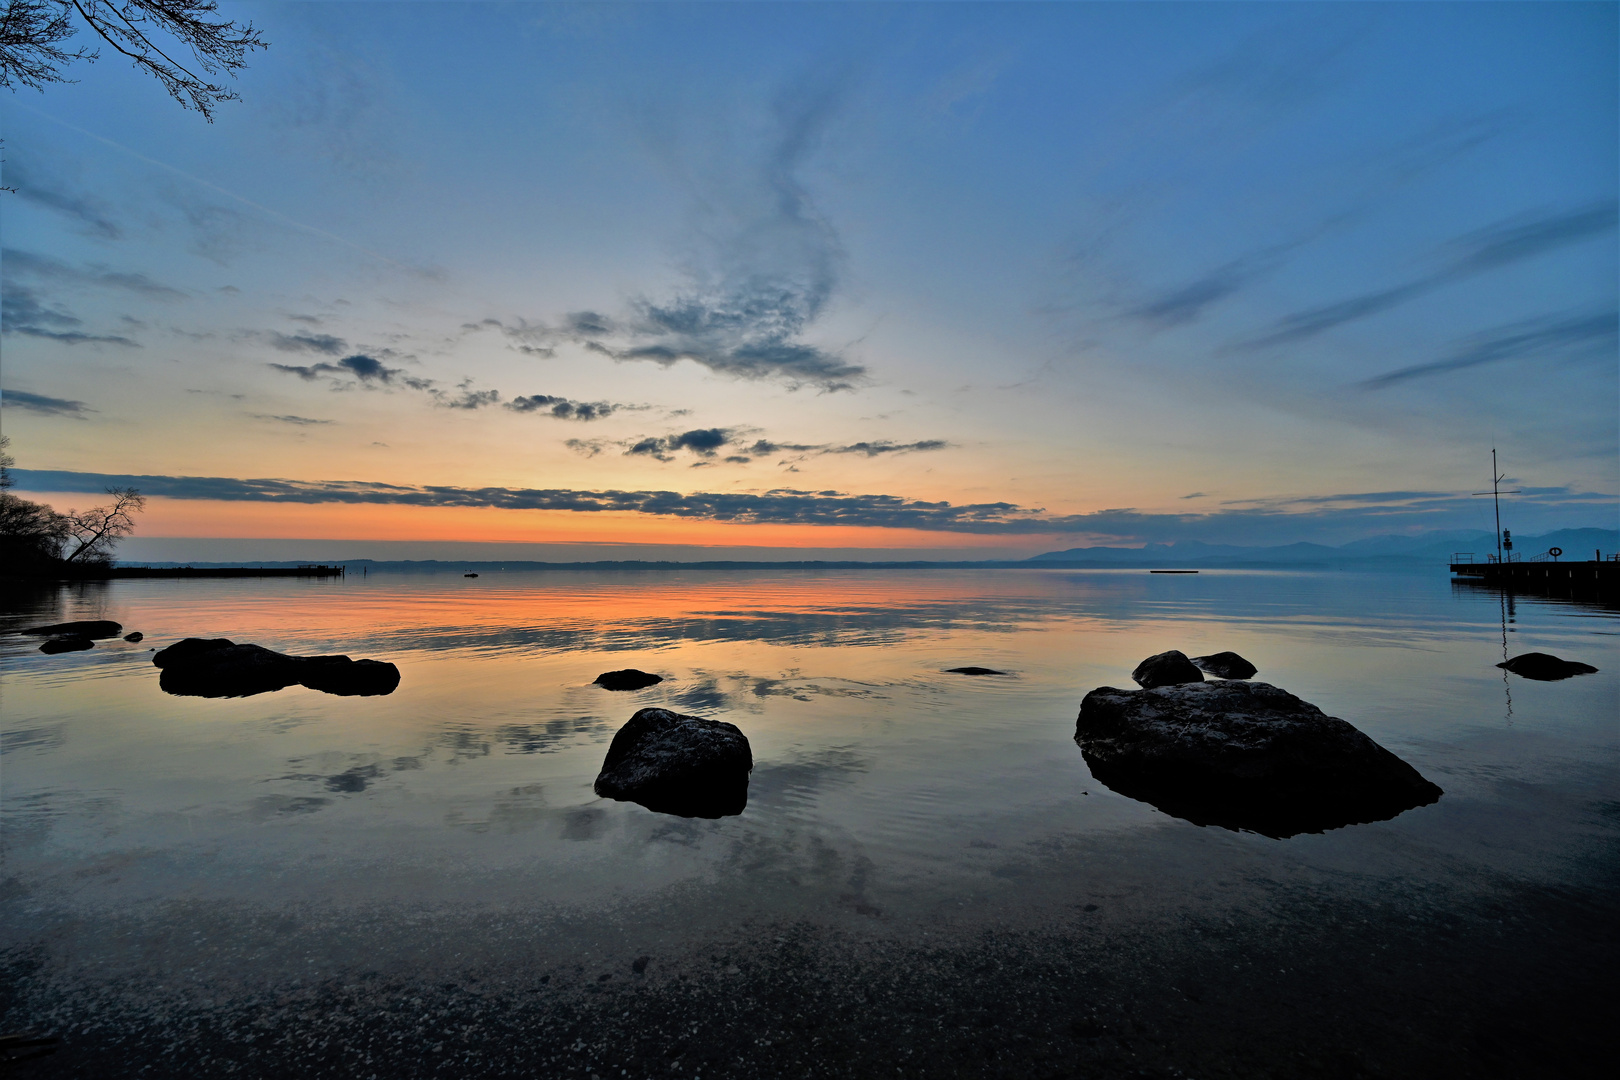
x=1496, y=498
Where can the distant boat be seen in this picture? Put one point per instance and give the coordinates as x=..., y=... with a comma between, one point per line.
x=469, y=575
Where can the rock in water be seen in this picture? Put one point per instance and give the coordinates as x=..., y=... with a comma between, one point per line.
x=1226, y=665
x=1544, y=667
x=136, y=636
x=1243, y=755
x=66, y=644
x=218, y=667
x=1166, y=669
x=973, y=671
x=675, y=764
x=628, y=679
x=89, y=628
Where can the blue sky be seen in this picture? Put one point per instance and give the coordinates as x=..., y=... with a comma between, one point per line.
x=1001, y=277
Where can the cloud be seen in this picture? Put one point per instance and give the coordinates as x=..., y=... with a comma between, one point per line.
x=1535, y=338
x=562, y=408
x=1272, y=521
x=46, y=406
x=877, y=449
x=300, y=421
x=703, y=442
x=1475, y=253
x=324, y=344
x=469, y=399
x=586, y=447
x=367, y=369
x=93, y=275
x=55, y=193
x=532, y=339
x=23, y=312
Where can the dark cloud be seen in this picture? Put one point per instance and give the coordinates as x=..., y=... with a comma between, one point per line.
x=469, y=399
x=1487, y=249
x=47, y=406
x=22, y=311
x=1535, y=339
x=368, y=369
x=877, y=449
x=324, y=344
x=562, y=408
x=1276, y=520
x=55, y=193
x=587, y=447
x=704, y=442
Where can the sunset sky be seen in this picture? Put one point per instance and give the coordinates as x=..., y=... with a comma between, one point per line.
x=994, y=278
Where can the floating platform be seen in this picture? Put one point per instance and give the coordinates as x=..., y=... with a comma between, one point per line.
x=312, y=570
x=1595, y=579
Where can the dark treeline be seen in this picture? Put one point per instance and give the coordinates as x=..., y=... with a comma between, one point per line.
x=36, y=541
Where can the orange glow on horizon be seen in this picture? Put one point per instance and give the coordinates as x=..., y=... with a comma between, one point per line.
x=166, y=517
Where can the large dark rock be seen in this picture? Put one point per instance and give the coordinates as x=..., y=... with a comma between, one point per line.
x=1243, y=755
x=66, y=644
x=87, y=628
x=218, y=667
x=1166, y=669
x=1544, y=667
x=677, y=764
x=627, y=679
x=1226, y=665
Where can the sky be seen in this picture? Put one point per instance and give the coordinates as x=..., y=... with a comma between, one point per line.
x=938, y=280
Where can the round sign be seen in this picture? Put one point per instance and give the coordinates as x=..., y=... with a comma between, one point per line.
x=1555, y=552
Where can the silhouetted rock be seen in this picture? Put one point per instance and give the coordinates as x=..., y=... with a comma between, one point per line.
x=974, y=671
x=136, y=636
x=677, y=764
x=1544, y=667
x=1226, y=665
x=628, y=679
x=1166, y=669
x=66, y=644
x=349, y=678
x=218, y=667
x=1244, y=756
x=89, y=628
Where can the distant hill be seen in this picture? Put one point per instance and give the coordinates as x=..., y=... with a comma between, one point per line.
x=1425, y=549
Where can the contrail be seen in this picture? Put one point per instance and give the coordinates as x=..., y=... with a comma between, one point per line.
x=276, y=214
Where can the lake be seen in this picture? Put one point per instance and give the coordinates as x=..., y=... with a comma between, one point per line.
x=176, y=866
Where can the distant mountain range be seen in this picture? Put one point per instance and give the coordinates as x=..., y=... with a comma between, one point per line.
x=1427, y=548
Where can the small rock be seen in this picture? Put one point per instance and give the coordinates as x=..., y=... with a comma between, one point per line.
x=136, y=636
x=1544, y=667
x=628, y=679
x=1226, y=665
x=1166, y=669
x=675, y=764
x=639, y=966
x=88, y=628
x=974, y=671
x=66, y=644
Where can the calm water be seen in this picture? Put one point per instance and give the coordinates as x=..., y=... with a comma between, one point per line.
x=886, y=792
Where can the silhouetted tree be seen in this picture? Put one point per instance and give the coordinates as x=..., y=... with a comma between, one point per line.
x=32, y=535
x=35, y=43
x=96, y=531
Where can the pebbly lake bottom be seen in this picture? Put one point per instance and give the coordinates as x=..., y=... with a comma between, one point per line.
x=926, y=880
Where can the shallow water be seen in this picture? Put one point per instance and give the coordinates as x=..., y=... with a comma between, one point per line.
x=885, y=789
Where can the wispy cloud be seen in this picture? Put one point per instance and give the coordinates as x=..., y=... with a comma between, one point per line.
x=324, y=344
x=563, y=408
x=56, y=193
x=299, y=421
x=44, y=268
x=1475, y=253
x=1532, y=340
x=46, y=406
x=22, y=311
x=359, y=368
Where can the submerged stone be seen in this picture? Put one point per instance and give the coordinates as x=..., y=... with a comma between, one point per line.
x=66, y=644
x=1166, y=669
x=1243, y=755
x=219, y=667
x=627, y=679
x=1544, y=667
x=1226, y=665
x=86, y=628
x=677, y=764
